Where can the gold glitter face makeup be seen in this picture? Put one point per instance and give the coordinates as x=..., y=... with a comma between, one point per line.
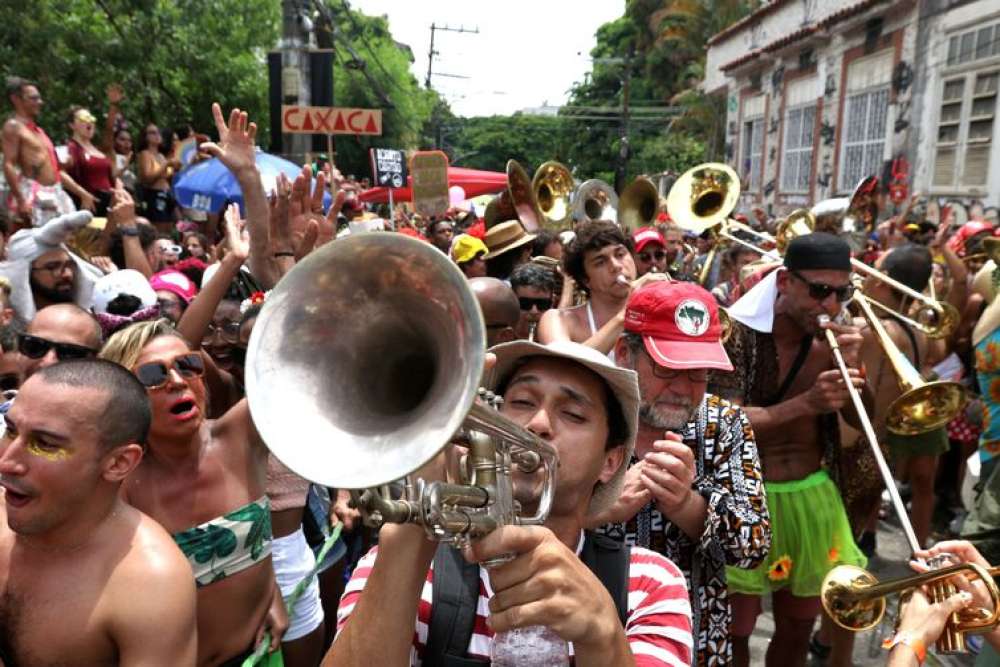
x=47, y=452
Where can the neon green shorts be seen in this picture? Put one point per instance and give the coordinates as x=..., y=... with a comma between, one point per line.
x=810, y=534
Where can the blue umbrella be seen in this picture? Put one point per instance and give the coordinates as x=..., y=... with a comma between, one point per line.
x=209, y=185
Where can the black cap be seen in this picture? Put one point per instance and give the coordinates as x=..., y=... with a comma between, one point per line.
x=818, y=251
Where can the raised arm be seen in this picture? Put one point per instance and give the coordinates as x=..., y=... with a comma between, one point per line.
x=122, y=215
x=236, y=149
x=381, y=601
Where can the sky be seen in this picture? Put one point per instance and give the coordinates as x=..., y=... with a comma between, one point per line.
x=527, y=52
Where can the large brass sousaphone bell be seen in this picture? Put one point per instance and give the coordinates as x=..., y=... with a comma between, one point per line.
x=552, y=188
x=638, y=205
x=703, y=197
x=854, y=217
x=516, y=202
x=595, y=200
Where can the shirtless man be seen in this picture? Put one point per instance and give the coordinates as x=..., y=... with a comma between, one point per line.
x=917, y=456
x=85, y=578
x=784, y=376
x=30, y=165
x=600, y=261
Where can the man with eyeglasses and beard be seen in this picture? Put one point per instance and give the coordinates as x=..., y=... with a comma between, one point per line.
x=694, y=490
x=785, y=379
x=42, y=271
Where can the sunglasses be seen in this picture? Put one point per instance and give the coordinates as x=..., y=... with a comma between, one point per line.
x=658, y=255
x=156, y=374
x=34, y=347
x=821, y=291
x=541, y=304
x=170, y=248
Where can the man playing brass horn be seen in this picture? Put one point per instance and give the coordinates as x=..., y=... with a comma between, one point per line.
x=600, y=261
x=614, y=606
x=785, y=379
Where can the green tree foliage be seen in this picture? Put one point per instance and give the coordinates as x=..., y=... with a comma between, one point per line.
x=371, y=70
x=173, y=58
x=488, y=142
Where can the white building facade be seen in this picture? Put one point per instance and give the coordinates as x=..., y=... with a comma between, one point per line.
x=822, y=93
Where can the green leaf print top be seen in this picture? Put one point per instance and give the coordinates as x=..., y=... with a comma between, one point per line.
x=222, y=547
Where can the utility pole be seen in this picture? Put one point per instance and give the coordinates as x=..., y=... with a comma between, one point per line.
x=435, y=115
x=625, y=149
x=431, y=53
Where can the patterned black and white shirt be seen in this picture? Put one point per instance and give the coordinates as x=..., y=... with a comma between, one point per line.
x=737, y=526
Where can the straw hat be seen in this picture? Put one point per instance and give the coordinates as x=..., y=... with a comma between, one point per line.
x=506, y=236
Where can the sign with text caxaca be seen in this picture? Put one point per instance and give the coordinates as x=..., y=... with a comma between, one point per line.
x=429, y=170
x=388, y=167
x=330, y=120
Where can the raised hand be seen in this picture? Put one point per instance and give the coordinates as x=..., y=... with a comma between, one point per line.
x=122, y=211
x=237, y=237
x=236, y=146
x=104, y=264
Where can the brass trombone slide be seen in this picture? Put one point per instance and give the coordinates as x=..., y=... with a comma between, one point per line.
x=869, y=431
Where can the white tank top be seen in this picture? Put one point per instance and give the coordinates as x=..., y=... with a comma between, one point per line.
x=593, y=330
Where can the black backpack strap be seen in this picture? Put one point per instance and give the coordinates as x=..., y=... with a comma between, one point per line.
x=609, y=561
x=453, y=610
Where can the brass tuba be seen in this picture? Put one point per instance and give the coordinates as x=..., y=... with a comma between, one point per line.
x=638, y=205
x=703, y=197
x=516, y=202
x=854, y=217
x=364, y=364
x=552, y=188
x=595, y=200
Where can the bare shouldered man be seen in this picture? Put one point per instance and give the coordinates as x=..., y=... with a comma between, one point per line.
x=600, y=261
x=916, y=455
x=73, y=554
x=30, y=165
x=786, y=380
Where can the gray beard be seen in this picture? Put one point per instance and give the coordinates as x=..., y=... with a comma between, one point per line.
x=655, y=417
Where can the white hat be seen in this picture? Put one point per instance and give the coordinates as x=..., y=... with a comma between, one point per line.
x=27, y=245
x=623, y=383
x=126, y=281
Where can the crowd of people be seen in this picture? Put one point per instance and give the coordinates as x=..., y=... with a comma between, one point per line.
x=709, y=450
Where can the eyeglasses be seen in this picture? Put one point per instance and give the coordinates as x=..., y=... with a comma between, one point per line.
x=821, y=291
x=56, y=268
x=658, y=255
x=229, y=331
x=156, y=374
x=34, y=347
x=695, y=375
x=170, y=249
x=541, y=304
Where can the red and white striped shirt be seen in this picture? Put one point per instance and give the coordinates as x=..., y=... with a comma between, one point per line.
x=659, y=612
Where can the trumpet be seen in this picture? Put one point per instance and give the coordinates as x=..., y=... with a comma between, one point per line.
x=364, y=366
x=855, y=599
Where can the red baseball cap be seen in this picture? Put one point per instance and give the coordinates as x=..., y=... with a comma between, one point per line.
x=679, y=325
x=643, y=237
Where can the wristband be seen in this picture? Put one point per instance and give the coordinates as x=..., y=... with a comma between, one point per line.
x=129, y=231
x=909, y=639
x=284, y=254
